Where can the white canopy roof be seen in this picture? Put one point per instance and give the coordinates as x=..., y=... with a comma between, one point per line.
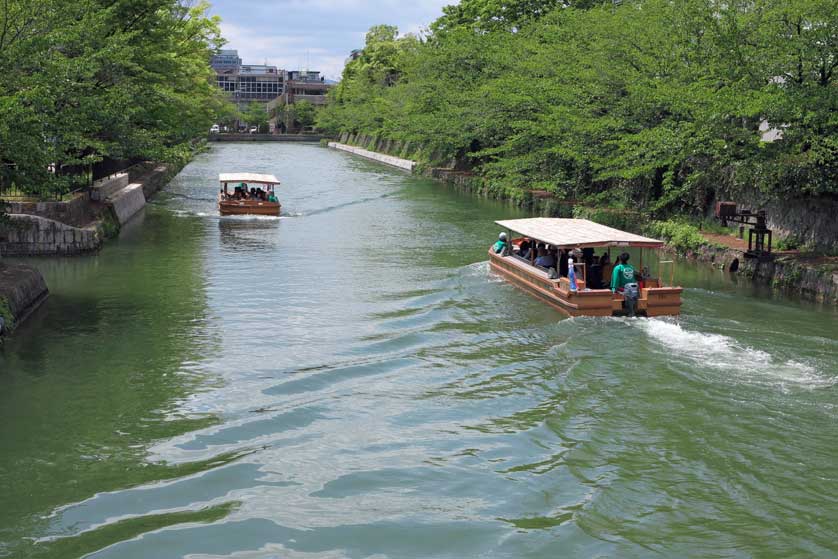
x=576, y=233
x=247, y=178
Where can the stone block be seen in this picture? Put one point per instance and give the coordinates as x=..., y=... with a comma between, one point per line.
x=106, y=188
x=127, y=202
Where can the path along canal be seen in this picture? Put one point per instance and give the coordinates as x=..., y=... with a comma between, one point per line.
x=348, y=381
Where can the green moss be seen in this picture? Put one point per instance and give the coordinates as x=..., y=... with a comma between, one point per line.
x=6, y=313
x=110, y=226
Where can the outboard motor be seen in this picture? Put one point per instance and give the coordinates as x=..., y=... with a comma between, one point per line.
x=631, y=293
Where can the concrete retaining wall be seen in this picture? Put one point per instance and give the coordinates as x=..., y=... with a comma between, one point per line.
x=22, y=290
x=264, y=138
x=127, y=202
x=105, y=188
x=31, y=235
x=405, y=164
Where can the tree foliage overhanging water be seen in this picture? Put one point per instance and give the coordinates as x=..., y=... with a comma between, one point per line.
x=645, y=101
x=96, y=79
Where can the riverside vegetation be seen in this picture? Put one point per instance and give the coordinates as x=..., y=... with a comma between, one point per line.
x=643, y=104
x=95, y=79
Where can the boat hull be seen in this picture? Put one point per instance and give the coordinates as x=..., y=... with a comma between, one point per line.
x=248, y=207
x=654, y=301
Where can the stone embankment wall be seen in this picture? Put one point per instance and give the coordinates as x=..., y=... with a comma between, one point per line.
x=22, y=290
x=405, y=164
x=81, y=224
x=76, y=211
x=31, y=235
x=806, y=277
x=812, y=221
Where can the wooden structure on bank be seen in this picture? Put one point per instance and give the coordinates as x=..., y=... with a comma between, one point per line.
x=236, y=204
x=655, y=298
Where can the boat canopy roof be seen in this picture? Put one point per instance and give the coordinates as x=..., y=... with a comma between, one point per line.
x=576, y=233
x=248, y=178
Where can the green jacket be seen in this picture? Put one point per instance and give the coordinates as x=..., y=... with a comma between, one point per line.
x=623, y=274
x=499, y=246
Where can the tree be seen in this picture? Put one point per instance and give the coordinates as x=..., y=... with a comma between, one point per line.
x=256, y=114
x=642, y=102
x=304, y=113
x=96, y=79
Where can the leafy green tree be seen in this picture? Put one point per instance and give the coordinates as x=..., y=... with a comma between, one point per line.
x=304, y=113
x=256, y=114
x=93, y=79
x=641, y=102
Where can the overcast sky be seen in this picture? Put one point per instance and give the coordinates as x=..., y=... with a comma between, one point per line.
x=318, y=34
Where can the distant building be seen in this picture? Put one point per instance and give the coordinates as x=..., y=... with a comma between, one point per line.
x=305, y=85
x=299, y=85
x=226, y=59
x=246, y=83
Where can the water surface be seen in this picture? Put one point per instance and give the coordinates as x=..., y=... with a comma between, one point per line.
x=349, y=381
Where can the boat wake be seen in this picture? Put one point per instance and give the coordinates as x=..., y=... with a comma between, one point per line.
x=727, y=354
x=347, y=204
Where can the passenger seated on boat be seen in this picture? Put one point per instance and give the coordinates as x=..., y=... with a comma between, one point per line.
x=524, y=248
x=500, y=246
x=545, y=259
x=588, y=256
x=594, y=278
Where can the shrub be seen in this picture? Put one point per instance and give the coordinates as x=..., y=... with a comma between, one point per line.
x=789, y=243
x=682, y=236
x=626, y=220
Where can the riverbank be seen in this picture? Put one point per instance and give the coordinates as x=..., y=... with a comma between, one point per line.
x=812, y=276
x=71, y=227
x=81, y=224
x=22, y=290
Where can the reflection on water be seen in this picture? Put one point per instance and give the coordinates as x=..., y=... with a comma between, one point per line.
x=350, y=381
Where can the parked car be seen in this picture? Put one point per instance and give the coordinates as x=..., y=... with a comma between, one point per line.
x=254, y=129
x=215, y=129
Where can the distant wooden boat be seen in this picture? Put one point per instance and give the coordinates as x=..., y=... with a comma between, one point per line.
x=654, y=298
x=242, y=201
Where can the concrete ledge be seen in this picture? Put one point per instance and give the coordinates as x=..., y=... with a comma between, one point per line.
x=22, y=290
x=405, y=164
x=127, y=202
x=105, y=188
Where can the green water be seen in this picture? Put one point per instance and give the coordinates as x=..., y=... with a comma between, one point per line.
x=349, y=381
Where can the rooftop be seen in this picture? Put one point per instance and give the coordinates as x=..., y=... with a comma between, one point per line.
x=576, y=233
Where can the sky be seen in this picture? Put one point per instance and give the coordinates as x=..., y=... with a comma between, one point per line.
x=314, y=34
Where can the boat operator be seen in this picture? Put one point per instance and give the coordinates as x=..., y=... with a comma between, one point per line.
x=623, y=274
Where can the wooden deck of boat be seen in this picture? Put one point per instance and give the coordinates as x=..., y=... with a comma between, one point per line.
x=654, y=301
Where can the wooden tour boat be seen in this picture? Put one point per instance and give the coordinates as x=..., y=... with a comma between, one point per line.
x=654, y=298
x=240, y=201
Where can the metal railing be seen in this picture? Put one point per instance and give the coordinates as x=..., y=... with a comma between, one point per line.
x=85, y=175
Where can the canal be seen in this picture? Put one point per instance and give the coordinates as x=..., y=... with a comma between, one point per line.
x=349, y=381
